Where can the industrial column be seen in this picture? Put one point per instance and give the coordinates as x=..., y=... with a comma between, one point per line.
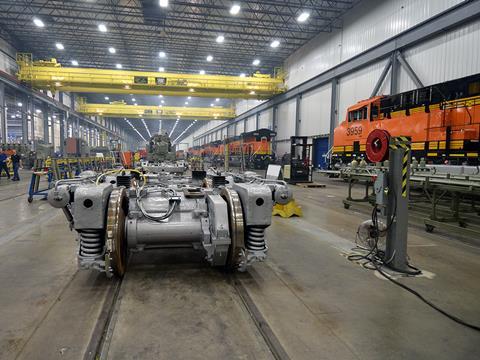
x=63, y=116
x=24, y=114
x=298, y=120
x=46, y=135
x=274, y=128
x=31, y=114
x=3, y=113
x=333, y=111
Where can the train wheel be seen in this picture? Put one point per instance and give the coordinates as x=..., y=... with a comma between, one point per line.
x=115, y=235
x=377, y=145
x=237, y=231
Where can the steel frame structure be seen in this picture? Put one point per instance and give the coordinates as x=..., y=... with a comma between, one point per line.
x=186, y=31
x=391, y=49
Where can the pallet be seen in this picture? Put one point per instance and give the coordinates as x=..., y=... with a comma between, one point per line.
x=311, y=185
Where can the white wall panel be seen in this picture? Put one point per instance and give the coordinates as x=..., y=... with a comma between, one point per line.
x=315, y=112
x=265, y=120
x=450, y=56
x=242, y=106
x=251, y=123
x=282, y=148
x=359, y=86
x=286, y=120
x=365, y=26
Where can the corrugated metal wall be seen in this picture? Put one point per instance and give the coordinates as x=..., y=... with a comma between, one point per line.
x=315, y=112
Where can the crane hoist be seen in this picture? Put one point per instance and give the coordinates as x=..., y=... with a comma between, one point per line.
x=51, y=75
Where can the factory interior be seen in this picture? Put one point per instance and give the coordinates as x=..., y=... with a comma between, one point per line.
x=240, y=179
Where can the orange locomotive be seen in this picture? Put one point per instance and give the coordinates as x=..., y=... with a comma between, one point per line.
x=443, y=122
x=255, y=146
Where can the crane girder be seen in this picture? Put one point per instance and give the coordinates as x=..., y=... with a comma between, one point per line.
x=50, y=75
x=121, y=109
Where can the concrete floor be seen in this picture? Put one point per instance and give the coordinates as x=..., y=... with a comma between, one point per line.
x=173, y=306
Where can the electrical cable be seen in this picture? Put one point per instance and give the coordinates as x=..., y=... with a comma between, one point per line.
x=376, y=257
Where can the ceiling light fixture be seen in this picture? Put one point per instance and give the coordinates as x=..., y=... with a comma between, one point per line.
x=38, y=22
x=59, y=46
x=118, y=66
x=161, y=69
x=19, y=104
x=74, y=62
x=256, y=62
x=162, y=54
x=303, y=17
x=220, y=39
x=163, y=3
x=107, y=98
x=209, y=58
x=112, y=50
x=235, y=9
x=102, y=28
x=242, y=75
x=202, y=72
x=275, y=44
x=217, y=99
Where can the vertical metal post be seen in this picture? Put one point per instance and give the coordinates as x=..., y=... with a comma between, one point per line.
x=46, y=136
x=63, y=119
x=397, y=209
x=274, y=127
x=3, y=113
x=32, y=113
x=333, y=111
x=298, y=120
x=25, y=119
x=257, y=120
x=394, y=73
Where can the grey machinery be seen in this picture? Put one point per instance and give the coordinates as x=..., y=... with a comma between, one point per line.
x=227, y=224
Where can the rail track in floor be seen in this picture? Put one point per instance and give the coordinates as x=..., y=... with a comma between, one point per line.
x=104, y=331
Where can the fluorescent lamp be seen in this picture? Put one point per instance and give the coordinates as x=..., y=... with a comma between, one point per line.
x=235, y=9
x=275, y=43
x=38, y=22
x=303, y=16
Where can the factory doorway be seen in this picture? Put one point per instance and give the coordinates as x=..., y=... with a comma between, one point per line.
x=320, y=149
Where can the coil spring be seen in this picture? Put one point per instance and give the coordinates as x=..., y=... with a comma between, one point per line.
x=256, y=239
x=91, y=244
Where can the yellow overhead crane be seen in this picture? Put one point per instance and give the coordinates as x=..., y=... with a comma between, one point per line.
x=121, y=109
x=50, y=75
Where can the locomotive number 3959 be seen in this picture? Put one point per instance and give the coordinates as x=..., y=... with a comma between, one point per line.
x=354, y=130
